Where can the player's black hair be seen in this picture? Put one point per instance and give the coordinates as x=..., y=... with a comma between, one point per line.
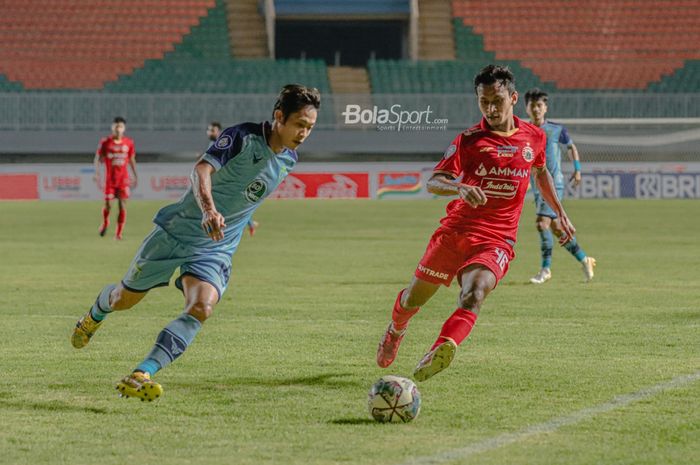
x=491, y=74
x=215, y=124
x=535, y=94
x=294, y=97
x=119, y=119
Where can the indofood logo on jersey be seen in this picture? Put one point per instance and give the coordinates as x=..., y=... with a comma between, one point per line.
x=255, y=190
x=502, y=188
x=502, y=171
x=394, y=118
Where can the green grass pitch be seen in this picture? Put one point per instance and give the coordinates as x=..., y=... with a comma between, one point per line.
x=280, y=373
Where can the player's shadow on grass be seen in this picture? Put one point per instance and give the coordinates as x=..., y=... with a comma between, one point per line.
x=50, y=406
x=326, y=379
x=353, y=421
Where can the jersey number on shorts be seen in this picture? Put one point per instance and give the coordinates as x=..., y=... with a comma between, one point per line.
x=501, y=258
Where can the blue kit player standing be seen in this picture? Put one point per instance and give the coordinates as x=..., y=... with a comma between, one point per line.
x=200, y=232
x=547, y=221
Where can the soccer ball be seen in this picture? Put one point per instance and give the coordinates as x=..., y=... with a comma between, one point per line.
x=394, y=399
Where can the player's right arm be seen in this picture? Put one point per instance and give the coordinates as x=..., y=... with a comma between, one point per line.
x=213, y=222
x=446, y=184
x=448, y=170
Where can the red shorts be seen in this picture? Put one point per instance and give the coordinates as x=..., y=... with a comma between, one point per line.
x=121, y=191
x=449, y=252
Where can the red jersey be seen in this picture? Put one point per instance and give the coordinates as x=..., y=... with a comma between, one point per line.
x=116, y=156
x=499, y=164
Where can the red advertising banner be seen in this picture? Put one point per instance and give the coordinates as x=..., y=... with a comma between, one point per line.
x=19, y=186
x=323, y=186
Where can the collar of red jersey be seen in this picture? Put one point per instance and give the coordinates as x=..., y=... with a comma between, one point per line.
x=516, y=123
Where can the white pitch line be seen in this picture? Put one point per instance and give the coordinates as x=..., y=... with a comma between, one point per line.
x=552, y=425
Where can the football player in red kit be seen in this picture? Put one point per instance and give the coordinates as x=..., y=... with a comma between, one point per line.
x=116, y=152
x=488, y=167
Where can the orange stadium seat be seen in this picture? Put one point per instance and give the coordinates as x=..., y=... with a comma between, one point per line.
x=63, y=44
x=591, y=44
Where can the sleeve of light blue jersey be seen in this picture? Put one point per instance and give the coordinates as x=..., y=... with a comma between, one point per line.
x=564, y=137
x=224, y=149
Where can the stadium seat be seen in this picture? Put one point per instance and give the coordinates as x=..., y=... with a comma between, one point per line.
x=59, y=44
x=598, y=45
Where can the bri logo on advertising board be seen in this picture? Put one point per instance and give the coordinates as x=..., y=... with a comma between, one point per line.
x=170, y=183
x=401, y=183
x=61, y=183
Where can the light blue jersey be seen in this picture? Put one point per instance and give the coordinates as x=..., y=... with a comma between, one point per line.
x=246, y=172
x=556, y=137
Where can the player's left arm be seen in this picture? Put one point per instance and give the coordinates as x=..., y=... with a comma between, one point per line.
x=572, y=153
x=132, y=164
x=545, y=184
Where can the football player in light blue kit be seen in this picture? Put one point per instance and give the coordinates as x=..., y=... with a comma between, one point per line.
x=200, y=232
x=547, y=221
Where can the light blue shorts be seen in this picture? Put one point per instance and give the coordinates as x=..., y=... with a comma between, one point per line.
x=161, y=254
x=543, y=208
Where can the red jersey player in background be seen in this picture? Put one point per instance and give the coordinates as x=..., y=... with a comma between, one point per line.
x=116, y=152
x=488, y=167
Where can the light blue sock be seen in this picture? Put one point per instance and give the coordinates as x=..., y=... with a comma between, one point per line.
x=101, y=308
x=546, y=244
x=171, y=343
x=575, y=249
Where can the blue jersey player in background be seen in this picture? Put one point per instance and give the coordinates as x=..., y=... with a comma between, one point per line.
x=547, y=221
x=200, y=232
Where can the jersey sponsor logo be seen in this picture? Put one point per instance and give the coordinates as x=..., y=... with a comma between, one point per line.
x=501, y=258
x=433, y=273
x=255, y=191
x=507, y=150
x=502, y=171
x=223, y=142
x=502, y=188
x=451, y=150
x=486, y=148
x=528, y=153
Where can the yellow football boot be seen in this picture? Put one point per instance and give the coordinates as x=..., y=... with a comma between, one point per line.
x=139, y=384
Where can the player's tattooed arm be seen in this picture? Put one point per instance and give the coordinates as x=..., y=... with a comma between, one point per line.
x=545, y=184
x=213, y=222
x=446, y=184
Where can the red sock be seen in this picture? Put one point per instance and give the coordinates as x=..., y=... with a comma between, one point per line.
x=457, y=327
x=105, y=217
x=121, y=219
x=400, y=315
